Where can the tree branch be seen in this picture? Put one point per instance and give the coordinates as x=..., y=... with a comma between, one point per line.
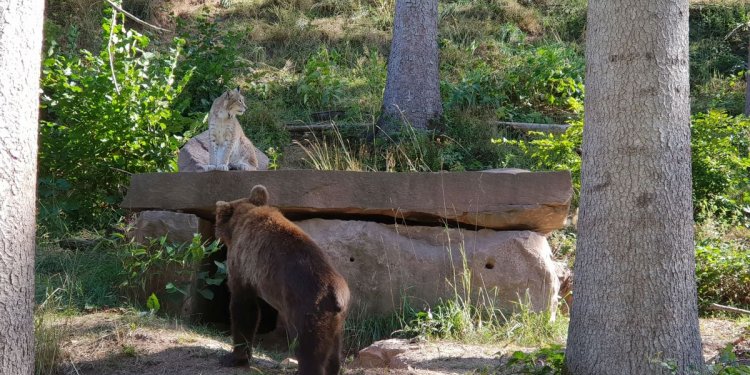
x=715, y=306
x=134, y=18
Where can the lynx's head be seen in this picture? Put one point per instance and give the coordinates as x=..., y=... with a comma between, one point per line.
x=229, y=104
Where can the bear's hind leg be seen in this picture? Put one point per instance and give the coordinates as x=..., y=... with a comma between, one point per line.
x=245, y=315
x=333, y=363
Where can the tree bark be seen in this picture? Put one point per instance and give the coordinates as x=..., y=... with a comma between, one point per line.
x=412, y=88
x=747, y=79
x=20, y=48
x=635, y=294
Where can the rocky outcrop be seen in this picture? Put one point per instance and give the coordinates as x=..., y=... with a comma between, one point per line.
x=384, y=354
x=178, y=227
x=385, y=264
x=194, y=155
x=503, y=201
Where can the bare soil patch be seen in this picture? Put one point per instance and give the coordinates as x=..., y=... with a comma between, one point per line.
x=118, y=342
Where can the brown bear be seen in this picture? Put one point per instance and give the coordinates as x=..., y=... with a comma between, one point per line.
x=271, y=258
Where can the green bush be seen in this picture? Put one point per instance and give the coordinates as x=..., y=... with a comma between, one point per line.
x=321, y=84
x=712, y=49
x=720, y=157
x=99, y=125
x=540, y=82
x=143, y=265
x=721, y=165
x=212, y=59
x=723, y=273
x=721, y=93
x=540, y=151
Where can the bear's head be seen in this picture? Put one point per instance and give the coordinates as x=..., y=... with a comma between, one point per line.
x=225, y=211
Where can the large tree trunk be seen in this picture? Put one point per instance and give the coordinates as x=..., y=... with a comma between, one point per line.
x=635, y=293
x=20, y=48
x=412, y=88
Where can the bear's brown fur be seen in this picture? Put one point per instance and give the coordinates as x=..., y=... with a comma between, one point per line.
x=269, y=257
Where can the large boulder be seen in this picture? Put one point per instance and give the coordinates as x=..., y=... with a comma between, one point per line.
x=385, y=264
x=194, y=154
x=178, y=227
x=504, y=201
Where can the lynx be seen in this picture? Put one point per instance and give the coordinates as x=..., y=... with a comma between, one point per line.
x=229, y=147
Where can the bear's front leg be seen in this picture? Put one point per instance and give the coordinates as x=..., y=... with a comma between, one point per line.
x=245, y=315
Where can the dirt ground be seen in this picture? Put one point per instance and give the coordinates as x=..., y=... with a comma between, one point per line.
x=118, y=343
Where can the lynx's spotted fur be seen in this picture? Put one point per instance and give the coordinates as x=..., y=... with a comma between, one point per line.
x=229, y=147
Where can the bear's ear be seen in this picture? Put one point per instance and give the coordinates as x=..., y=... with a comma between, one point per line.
x=259, y=195
x=224, y=211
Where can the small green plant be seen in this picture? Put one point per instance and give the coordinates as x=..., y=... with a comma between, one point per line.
x=321, y=85
x=725, y=364
x=145, y=265
x=723, y=272
x=152, y=303
x=129, y=350
x=545, y=361
x=546, y=152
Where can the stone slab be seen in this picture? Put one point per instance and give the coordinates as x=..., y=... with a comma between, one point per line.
x=536, y=201
x=194, y=155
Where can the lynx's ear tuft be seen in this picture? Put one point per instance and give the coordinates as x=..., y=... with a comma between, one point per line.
x=259, y=195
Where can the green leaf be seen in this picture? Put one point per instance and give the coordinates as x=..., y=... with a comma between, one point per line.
x=207, y=294
x=152, y=303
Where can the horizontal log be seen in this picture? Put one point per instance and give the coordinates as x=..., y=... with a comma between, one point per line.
x=529, y=127
x=717, y=307
x=530, y=201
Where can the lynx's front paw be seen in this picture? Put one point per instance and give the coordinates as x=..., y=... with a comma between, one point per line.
x=221, y=168
x=242, y=167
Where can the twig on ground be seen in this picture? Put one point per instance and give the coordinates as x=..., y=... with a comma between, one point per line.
x=716, y=306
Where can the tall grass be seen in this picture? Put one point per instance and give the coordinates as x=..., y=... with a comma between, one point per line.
x=49, y=334
x=470, y=313
x=83, y=278
x=410, y=150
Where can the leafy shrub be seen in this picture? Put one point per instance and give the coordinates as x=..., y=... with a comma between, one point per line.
x=712, y=49
x=321, y=85
x=211, y=57
x=548, y=77
x=721, y=93
x=144, y=265
x=542, y=151
x=720, y=157
x=721, y=165
x=723, y=272
x=100, y=125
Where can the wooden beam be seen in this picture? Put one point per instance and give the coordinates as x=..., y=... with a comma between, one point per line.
x=528, y=127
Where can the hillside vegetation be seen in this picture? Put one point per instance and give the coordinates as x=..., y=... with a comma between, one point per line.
x=508, y=60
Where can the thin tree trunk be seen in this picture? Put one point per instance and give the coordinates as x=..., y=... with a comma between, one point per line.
x=747, y=78
x=635, y=294
x=412, y=89
x=20, y=48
